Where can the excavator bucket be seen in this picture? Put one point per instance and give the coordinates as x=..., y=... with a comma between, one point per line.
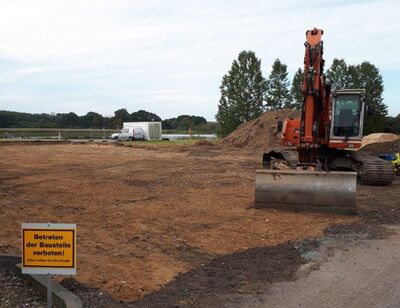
x=320, y=191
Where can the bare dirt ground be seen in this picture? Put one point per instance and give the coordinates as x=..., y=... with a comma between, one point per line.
x=166, y=225
x=359, y=274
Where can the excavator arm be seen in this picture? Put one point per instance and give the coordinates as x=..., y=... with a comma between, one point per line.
x=315, y=102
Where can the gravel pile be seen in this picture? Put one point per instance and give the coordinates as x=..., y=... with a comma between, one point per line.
x=91, y=297
x=16, y=292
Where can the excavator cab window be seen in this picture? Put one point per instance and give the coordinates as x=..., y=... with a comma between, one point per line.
x=346, y=121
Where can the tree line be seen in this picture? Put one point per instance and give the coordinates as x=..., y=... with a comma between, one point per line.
x=246, y=93
x=11, y=119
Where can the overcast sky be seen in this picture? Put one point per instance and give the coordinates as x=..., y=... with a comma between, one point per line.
x=168, y=57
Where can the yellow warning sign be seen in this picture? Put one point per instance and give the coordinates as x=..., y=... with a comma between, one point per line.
x=49, y=248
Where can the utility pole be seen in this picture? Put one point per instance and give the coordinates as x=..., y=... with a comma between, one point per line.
x=189, y=119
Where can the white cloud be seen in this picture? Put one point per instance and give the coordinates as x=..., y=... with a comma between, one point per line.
x=169, y=56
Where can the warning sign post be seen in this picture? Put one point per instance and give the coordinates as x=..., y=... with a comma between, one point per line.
x=49, y=249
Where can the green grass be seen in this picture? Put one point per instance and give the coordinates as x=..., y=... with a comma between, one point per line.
x=71, y=133
x=19, y=140
x=151, y=143
x=168, y=143
x=185, y=131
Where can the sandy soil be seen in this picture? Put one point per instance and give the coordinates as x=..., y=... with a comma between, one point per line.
x=144, y=215
x=260, y=133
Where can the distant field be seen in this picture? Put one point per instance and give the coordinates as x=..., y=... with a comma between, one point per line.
x=70, y=133
x=55, y=133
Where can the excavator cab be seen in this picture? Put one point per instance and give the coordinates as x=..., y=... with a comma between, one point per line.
x=347, y=116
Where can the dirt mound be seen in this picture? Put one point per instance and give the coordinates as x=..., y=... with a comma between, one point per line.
x=382, y=147
x=203, y=143
x=260, y=133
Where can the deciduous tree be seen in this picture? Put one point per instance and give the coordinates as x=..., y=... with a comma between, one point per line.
x=297, y=89
x=367, y=76
x=144, y=116
x=339, y=74
x=243, y=90
x=278, y=93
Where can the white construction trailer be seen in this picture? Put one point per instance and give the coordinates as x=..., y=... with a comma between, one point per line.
x=152, y=130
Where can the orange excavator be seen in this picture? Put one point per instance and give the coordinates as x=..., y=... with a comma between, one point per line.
x=321, y=173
